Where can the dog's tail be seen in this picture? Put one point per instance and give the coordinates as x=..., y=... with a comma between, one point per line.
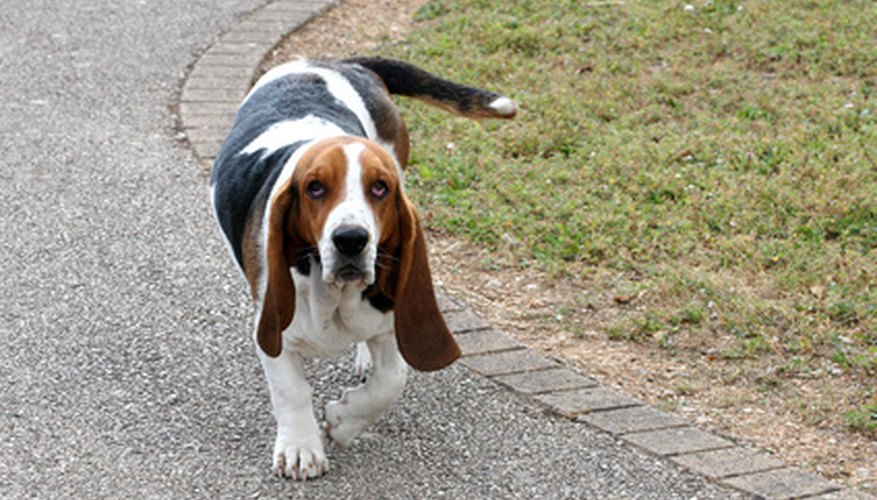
x=406, y=79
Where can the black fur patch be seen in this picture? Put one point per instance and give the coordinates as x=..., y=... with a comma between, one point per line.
x=406, y=79
x=236, y=188
x=305, y=260
x=377, y=299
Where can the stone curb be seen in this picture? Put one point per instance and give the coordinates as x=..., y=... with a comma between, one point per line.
x=564, y=391
x=222, y=75
x=212, y=91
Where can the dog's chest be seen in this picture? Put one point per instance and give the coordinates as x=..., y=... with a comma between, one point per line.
x=328, y=320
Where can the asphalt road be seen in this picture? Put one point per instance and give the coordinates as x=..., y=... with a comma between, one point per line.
x=126, y=363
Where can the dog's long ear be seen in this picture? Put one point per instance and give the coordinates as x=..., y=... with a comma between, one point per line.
x=421, y=333
x=278, y=302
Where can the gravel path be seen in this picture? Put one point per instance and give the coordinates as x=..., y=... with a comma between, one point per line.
x=127, y=368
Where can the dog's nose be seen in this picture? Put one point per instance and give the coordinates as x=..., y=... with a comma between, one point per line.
x=350, y=240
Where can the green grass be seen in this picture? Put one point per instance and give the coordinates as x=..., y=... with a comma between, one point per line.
x=724, y=155
x=864, y=419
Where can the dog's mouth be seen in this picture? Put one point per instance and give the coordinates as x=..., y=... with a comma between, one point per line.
x=339, y=271
x=349, y=273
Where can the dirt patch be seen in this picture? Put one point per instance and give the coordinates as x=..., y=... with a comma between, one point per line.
x=355, y=27
x=790, y=414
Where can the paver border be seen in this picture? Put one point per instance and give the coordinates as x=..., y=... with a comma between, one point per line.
x=212, y=90
x=221, y=76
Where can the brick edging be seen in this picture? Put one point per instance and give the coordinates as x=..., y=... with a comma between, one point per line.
x=566, y=392
x=213, y=89
x=222, y=75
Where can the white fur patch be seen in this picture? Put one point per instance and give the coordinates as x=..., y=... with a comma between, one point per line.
x=277, y=72
x=504, y=106
x=344, y=92
x=358, y=408
x=288, y=132
x=298, y=449
x=352, y=210
x=362, y=362
x=337, y=85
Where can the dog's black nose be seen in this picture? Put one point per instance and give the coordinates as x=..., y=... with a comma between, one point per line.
x=350, y=240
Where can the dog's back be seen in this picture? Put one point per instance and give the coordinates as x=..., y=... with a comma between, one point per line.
x=303, y=101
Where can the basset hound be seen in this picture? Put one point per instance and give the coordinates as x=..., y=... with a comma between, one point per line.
x=307, y=189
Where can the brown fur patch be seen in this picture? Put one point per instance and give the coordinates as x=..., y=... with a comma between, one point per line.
x=378, y=166
x=401, y=145
x=392, y=128
x=476, y=108
x=252, y=259
x=325, y=163
x=421, y=333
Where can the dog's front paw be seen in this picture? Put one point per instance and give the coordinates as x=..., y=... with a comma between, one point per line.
x=299, y=459
x=341, y=425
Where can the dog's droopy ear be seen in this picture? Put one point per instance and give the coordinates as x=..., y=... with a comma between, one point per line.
x=421, y=333
x=278, y=301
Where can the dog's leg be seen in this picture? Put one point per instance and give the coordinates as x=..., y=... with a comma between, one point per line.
x=298, y=450
x=358, y=408
x=362, y=362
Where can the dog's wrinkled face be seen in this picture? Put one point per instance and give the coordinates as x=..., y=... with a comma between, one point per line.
x=347, y=192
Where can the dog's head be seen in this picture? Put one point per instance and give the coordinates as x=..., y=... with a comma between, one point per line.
x=344, y=204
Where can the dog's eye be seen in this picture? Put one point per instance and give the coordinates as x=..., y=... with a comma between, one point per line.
x=379, y=190
x=316, y=190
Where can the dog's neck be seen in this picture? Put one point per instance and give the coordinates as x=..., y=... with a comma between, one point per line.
x=329, y=317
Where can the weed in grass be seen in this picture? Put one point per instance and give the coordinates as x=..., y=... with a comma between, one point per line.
x=668, y=405
x=767, y=383
x=692, y=314
x=864, y=419
x=687, y=388
x=618, y=331
x=431, y=10
x=816, y=413
x=794, y=366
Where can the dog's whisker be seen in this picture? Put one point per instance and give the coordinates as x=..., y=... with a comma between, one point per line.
x=386, y=256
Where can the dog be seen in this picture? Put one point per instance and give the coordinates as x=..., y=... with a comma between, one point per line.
x=308, y=192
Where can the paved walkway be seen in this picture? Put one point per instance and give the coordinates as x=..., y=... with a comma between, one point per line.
x=127, y=367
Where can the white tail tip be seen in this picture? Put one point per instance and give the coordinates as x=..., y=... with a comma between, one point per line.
x=504, y=107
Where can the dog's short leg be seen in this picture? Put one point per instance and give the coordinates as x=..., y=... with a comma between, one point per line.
x=358, y=408
x=298, y=450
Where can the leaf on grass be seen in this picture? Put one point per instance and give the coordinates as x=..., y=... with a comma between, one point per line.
x=624, y=299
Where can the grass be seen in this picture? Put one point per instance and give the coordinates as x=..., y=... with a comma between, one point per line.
x=864, y=419
x=722, y=157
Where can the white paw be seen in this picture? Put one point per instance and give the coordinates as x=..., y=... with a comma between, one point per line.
x=362, y=362
x=299, y=459
x=341, y=426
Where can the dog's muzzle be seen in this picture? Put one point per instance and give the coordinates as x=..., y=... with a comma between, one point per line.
x=350, y=241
